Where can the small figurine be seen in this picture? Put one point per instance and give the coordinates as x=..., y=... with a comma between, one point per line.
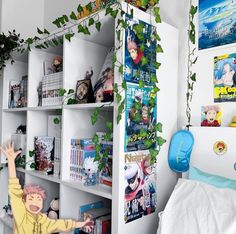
x=91, y=171
x=40, y=93
x=57, y=64
x=108, y=85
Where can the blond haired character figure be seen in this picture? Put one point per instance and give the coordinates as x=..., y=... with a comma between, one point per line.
x=27, y=205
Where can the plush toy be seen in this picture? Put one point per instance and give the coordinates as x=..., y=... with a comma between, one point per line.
x=53, y=210
x=90, y=171
x=57, y=64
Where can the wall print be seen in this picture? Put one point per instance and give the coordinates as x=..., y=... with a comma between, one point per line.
x=225, y=78
x=211, y=116
x=217, y=23
x=140, y=186
x=137, y=50
x=138, y=118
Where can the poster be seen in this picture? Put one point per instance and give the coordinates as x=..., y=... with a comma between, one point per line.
x=140, y=186
x=134, y=140
x=217, y=23
x=225, y=78
x=211, y=116
x=138, y=50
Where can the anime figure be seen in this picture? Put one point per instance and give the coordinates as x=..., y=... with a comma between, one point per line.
x=91, y=171
x=210, y=114
x=133, y=193
x=108, y=85
x=57, y=64
x=40, y=93
x=227, y=77
x=148, y=187
x=27, y=204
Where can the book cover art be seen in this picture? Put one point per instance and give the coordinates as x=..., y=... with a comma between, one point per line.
x=211, y=116
x=105, y=175
x=14, y=94
x=225, y=78
x=140, y=53
x=140, y=186
x=44, y=153
x=139, y=117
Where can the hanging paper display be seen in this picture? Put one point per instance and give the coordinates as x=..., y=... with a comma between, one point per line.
x=225, y=78
x=217, y=23
x=139, y=118
x=140, y=186
x=211, y=116
x=140, y=51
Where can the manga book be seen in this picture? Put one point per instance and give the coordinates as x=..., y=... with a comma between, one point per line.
x=140, y=51
x=140, y=186
x=139, y=119
x=225, y=78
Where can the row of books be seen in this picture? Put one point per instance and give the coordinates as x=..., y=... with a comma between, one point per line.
x=17, y=97
x=99, y=214
x=51, y=85
x=82, y=156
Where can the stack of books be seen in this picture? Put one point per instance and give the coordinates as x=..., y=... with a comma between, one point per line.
x=51, y=84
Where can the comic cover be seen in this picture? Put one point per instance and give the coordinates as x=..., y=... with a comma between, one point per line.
x=225, y=78
x=140, y=51
x=140, y=186
x=211, y=116
x=139, y=119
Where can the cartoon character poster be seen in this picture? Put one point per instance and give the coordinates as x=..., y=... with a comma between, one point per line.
x=140, y=186
x=140, y=51
x=217, y=23
x=139, y=116
x=211, y=116
x=225, y=78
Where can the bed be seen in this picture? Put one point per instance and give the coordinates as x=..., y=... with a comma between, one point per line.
x=204, y=200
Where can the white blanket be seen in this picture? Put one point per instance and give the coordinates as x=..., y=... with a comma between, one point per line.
x=199, y=208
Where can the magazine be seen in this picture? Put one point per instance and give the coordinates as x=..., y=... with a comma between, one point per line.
x=138, y=50
x=140, y=186
x=133, y=140
x=225, y=78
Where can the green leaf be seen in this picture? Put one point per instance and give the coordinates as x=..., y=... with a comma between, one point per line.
x=118, y=33
x=118, y=98
x=46, y=31
x=80, y=9
x=142, y=47
x=97, y=158
x=155, y=89
x=143, y=3
x=193, y=77
x=32, y=165
x=153, y=152
x=121, y=69
x=157, y=65
x=137, y=117
x=55, y=42
x=141, y=83
x=158, y=19
x=98, y=148
x=56, y=120
x=39, y=31
x=98, y=26
x=73, y=16
x=116, y=88
x=160, y=141
x=114, y=13
x=31, y=153
x=108, y=136
x=57, y=23
x=89, y=7
x=114, y=59
x=158, y=127
x=148, y=143
x=144, y=61
x=157, y=37
x=108, y=10
x=138, y=105
x=124, y=85
x=86, y=31
x=71, y=101
x=80, y=29
x=193, y=11
x=159, y=49
x=71, y=91
x=66, y=18
x=62, y=92
x=95, y=139
x=109, y=125
x=91, y=21
x=143, y=133
x=101, y=166
x=154, y=79
x=68, y=36
x=118, y=118
x=95, y=115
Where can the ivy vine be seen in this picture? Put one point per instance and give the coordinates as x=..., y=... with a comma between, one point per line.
x=66, y=23
x=192, y=59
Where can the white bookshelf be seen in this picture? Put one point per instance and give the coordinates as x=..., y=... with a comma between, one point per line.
x=78, y=56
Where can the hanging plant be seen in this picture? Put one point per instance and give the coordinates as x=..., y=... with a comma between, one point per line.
x=192, y=59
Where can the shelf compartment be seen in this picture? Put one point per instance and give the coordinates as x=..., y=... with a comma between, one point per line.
x=99, y=190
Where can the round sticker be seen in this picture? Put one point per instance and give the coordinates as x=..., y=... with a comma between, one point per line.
x=220, y=147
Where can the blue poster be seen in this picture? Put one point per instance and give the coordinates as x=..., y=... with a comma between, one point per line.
x=140, y=51
x=139, y=116
x=217, y=23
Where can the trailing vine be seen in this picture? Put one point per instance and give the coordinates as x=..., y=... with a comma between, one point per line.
x=67, y=23
x=192, y=59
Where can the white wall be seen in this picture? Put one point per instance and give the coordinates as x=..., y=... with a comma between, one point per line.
x=23, y=16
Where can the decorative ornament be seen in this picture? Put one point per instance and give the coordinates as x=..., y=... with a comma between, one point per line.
x=220, y=147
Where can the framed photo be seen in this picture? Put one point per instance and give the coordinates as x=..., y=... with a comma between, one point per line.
x=84, y=91
x=217, y=23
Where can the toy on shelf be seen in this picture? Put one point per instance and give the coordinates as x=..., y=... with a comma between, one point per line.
x=57, y=64
x=90, y=171
x=233, y=123
x=53, y=210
